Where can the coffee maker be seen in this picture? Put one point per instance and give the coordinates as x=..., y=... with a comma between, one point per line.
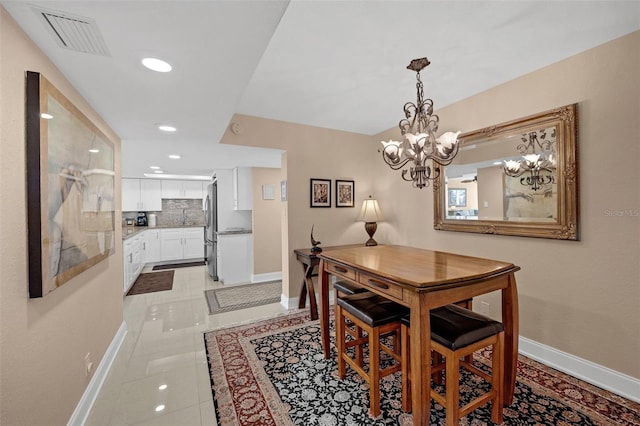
x=142, y=219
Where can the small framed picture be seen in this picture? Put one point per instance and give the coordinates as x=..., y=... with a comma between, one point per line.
x=268, y=192
x=320, y=192
x=345, y=193
x=283, y=190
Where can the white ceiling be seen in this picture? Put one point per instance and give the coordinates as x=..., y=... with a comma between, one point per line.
x=335, y=64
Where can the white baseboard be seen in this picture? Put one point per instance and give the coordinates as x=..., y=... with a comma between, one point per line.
x=269, y=276
x=603, y=377
x=80, y=414
x=292, y=302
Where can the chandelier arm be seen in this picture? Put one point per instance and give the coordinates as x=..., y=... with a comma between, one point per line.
x=397, y=166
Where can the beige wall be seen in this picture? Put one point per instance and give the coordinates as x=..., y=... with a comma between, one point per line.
x=43, y=342
x=313, y=152
x=579, y=297
x=267, y=230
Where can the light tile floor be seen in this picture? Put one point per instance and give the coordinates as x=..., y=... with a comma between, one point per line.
x=162, y=361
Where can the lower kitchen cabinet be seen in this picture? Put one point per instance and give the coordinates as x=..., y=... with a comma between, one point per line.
x=235, y=258
x=181, y=243
x=152, y=245
x=133, y=252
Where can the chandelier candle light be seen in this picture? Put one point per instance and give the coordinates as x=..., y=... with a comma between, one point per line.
x=419, y=143
x=537, y=157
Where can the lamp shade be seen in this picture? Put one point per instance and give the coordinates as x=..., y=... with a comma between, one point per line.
x=370, y=211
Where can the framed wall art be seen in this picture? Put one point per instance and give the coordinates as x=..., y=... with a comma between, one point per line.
x=320, y=192
x=70, y=189
x=345, y=193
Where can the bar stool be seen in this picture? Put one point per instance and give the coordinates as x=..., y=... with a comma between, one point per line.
x=376, y=316
x=456, y=333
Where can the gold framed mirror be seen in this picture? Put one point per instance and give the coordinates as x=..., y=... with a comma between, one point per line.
x=519, y=178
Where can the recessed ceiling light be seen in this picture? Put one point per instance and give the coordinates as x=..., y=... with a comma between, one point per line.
x=154, y=167
x=158, y=171
x=156, y=65
x=160, y=408
x=174, y=156
x=162, y=387
x=46, y=116
x=166, y=128
x=94, y=151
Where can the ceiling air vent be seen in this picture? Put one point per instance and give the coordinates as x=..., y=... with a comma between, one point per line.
x=74, y=32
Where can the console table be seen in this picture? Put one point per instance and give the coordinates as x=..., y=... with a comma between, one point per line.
x=423, y=280
x=310, y=261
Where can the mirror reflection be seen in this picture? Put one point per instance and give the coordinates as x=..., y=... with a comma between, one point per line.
x=510, y=178
x=514, y=178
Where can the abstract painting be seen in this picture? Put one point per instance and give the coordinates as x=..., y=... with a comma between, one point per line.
x=70, y=189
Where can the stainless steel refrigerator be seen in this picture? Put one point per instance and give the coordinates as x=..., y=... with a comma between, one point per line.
x=211, y=229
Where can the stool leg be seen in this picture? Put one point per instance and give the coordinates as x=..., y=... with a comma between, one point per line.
x=340, y=340
x=497, y=374
x=405, y=365
x=374, y=372
x=452, y=389
x=359, y=358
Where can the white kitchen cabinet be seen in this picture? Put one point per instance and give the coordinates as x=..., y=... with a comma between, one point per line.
x=133, y=253
x=152, y=245
x=235, y=258
x=242, y=189
x=194, y=243
x=181, y=243
x=182, y=189
x=141, y=195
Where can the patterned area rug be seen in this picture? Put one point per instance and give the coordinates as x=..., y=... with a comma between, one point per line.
x=150, y=282
x=243, y=296
x=273, y=373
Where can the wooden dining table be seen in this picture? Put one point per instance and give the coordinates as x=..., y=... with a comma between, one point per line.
x=422, y=280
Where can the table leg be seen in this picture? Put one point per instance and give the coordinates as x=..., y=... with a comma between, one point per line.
x=420, y=360
x=313, y=306
x=302, y=300
x=511, y=335
x=323, y=277
x=307, y=288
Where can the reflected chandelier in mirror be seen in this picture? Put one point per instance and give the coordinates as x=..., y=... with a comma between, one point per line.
x=520, y=178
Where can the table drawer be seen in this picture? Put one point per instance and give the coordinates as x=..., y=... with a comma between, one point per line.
x=380, y=286
x=342, y=271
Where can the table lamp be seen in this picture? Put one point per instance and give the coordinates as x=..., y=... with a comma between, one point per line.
x=370, y=215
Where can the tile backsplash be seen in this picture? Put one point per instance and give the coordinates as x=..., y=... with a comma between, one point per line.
x=175, y=212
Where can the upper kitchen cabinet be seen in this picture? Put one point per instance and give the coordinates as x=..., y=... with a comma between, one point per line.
x=182, y=189
x=141, y=195
x=242, y=189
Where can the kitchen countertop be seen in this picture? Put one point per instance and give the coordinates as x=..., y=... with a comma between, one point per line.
x=234, y=232
x=130, y=231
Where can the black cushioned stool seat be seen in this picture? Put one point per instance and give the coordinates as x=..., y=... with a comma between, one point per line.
x=456, y=327
x=456, y=333
x=372, y=309
x=376, y=316
x=346, y=288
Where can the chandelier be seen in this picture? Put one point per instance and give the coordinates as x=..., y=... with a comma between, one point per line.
x=419, y=144
x=538, y=157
